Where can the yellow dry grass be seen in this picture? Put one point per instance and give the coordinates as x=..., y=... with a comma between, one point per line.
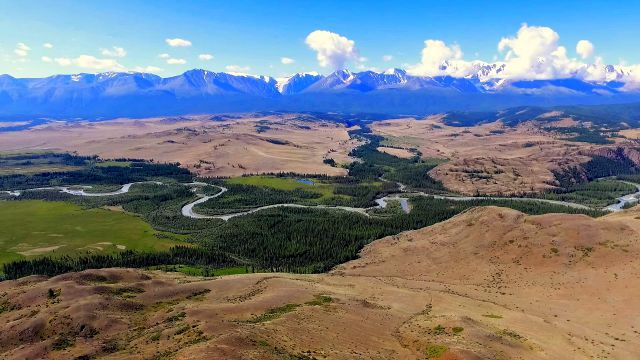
x=490, y=158
x=251, y=144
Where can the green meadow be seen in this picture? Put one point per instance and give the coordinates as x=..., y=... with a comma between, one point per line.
x=36, y=228
x=282, y=183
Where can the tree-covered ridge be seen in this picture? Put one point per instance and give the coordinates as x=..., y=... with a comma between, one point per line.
x=596, y=194
x=132, y=259
x=374, y=164
x=313, y=240
x=597, y=167
x=93, y=172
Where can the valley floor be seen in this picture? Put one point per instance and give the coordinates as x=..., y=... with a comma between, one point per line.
x=488, y=283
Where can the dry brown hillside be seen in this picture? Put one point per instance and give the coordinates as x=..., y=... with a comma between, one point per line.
x=494, y=158
x=491, y=283
x=230, y=146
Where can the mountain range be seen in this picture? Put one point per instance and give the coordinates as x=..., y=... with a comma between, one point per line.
x=111, y=94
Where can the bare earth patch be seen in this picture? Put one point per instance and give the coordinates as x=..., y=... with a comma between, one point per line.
x=401, y=153
x=40, y=251
x=630, y=133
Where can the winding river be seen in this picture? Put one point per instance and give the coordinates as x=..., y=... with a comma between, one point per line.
x=381, y=203
x=624, y=200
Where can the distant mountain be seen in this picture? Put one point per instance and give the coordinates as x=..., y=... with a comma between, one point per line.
x=109, y=95
x=611, y=116
x=297, y=83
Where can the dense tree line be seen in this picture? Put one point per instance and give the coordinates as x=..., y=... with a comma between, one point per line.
x=600, y=166
x=597, y=193
x=412, y=172
x=582, y=134
x=313, y=240
x=597, y=167
x=61, y=158
x=130, y=259
x=96, y=175
x=241, y=197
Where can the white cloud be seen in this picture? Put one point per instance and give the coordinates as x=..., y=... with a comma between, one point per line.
x=46, y=59
x=287, y=61
x=332, y=50
x=387, y=58
x=172, y=61
x=91, y=62
x=164, y=56
x=205, y=57
x=147, y=69
x=585, y=48
x=534, y=53
x=22, y=50
x=177, y=42
x=114, y=52
x=47, y=45
x=237, y=68
x=438, y=58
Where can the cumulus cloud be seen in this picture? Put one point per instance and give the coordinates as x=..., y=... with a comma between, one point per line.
x=22, y=50
x=164, y=56
x=114, y=52
x=286, y=60
x=47, y=45
x=332, y=50
x=585, y=48
x=237, y=68
x=387, y=58
x=438, y=58
x=177, y=42
x=533, y=53
x=91, y=62
x=173, y=61
x=205, y=57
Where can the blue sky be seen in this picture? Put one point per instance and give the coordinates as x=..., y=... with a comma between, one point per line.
x=254, y=36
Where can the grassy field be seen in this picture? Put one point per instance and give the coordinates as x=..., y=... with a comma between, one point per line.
x=34, y=228
x=114, y=163
x=326, y=190
x=36, y=169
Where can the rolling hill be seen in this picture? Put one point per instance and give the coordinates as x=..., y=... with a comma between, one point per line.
x=488, y=283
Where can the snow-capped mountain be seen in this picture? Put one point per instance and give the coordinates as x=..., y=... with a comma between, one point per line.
x=393, y=91
x=297, y=83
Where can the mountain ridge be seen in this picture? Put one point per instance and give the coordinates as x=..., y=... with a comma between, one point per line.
x=134, y=94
